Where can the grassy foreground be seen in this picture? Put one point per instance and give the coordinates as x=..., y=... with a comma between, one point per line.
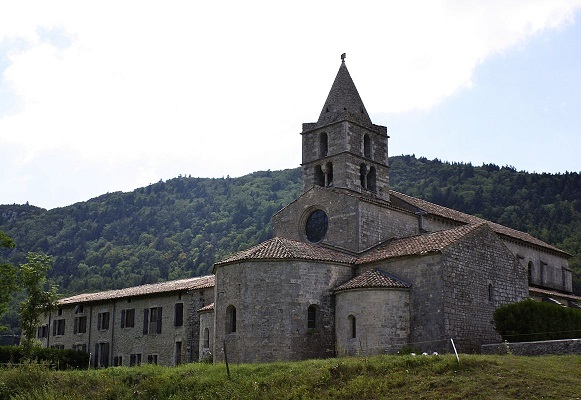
x=408, y=377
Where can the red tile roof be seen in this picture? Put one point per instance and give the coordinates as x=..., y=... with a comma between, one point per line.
x=374, y=278
x=281, y=248
x=553, y=293
x=417, y=245
x=209, y=307
x=201, y=282
x=461, y=217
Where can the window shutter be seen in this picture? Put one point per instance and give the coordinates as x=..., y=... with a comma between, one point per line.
x=158, y=319
x=99, y=321
x=145, y=321
x=76, y=326
x=54, y=328
x=122, y=318
x=179, y=314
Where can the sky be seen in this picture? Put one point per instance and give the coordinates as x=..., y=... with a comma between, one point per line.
x=105, y=96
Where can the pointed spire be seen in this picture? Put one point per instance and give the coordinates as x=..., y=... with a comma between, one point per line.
x=343, y=101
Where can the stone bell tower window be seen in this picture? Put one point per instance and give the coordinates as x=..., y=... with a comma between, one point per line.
x=371, y=185
x=319, y=176
x=363, y=175
x=366, y=146
x=323, y=145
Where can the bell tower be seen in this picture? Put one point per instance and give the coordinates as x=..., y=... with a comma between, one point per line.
x=344, y=149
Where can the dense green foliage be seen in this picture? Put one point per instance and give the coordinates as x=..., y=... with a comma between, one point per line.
x=56, y=359
x=7, y=277
x=180, y=227
x=531, y=320
x=383, y=377
x=40, y=297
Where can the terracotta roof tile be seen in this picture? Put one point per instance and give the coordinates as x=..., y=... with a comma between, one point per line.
x=200, y=282
x=458, y=216
x=374, y=278
x=282, y=248
x=417, y=245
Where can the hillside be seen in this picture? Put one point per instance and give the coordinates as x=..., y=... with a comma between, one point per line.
x=180, y=227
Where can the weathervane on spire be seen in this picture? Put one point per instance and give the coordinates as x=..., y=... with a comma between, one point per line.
x=343, y=57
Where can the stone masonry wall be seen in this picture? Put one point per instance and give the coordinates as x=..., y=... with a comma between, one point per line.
x=426, y=301
x=123, y=342
x=480, y=274
x=382, y=321
x=540, y=348
x=271, y=301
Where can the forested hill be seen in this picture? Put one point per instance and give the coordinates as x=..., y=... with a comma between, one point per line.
x=180, y=227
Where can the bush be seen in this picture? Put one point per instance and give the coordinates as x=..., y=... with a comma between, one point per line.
x=58, y=359
x=531, y=320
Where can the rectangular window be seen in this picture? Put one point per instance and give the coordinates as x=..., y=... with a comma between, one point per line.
x=103, y=321
x=58, y=327
x=134, y=360
x=152, y=359
x=58, y=346
x=152, y=320
x=178, y=359
x=102, y=355
x=80, y=347
x=80, y=325
x=59, y=311
x=117, y=361
x=79, y=309
x=42, y=331
x=128, y=318
x=179, y=314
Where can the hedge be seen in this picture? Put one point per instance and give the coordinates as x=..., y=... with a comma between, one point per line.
x=530, y=320
x=59, y=359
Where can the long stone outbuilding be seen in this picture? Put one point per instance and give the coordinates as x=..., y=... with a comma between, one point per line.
x=353, y=268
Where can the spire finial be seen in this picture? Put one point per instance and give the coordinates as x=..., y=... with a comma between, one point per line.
x=343, y=57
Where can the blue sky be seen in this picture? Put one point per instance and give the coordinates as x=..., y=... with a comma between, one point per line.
x=106, y=96
x=523, y=109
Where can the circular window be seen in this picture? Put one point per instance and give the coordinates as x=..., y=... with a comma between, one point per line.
x=316, y=226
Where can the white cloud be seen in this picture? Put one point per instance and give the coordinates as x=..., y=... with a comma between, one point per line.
x=217, y=88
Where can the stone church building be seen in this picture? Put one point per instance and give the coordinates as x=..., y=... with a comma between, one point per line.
x=353, y=268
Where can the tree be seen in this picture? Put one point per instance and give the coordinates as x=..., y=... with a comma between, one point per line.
x=40, y=296
x=7, y=277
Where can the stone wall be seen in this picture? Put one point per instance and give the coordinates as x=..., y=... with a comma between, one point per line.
x=170, y=346
x=480, y=274
x=271, y=299
x=540, y=348
x=382, y=321
x=426, y=298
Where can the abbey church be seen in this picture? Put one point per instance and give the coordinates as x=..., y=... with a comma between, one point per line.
x=353, y=268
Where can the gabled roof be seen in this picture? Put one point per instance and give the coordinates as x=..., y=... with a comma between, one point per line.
x=448, y=213
x=418, y=245
x=282, y=248
x=374, y=278
x=200, y=282
x=343, y=101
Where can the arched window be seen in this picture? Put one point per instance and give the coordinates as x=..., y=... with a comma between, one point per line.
x=371, y=177
x=363, y=175
x=530, y=272
x=366, y=146
x=312, y=317
x=323, y=145
x=230, y=319
x=353, y=325
x=319, y=176
x=206, y=338
x=490, y=293
x=328, y=174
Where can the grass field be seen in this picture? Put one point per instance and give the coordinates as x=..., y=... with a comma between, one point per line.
x=402, y=377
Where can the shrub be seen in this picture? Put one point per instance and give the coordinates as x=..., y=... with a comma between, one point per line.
x=58, y=359
x=531, y=320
